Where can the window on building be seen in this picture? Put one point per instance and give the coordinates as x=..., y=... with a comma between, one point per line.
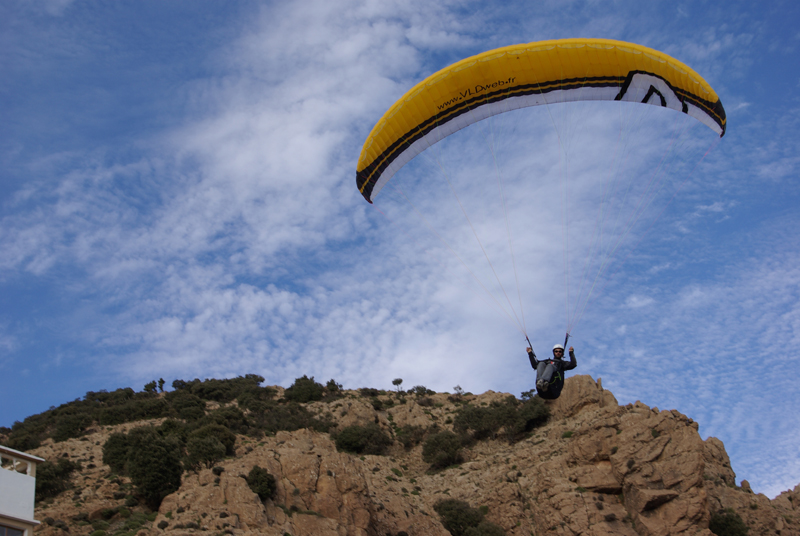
x=10, y=531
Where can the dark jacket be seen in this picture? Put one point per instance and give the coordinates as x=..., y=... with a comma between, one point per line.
x=561, y=366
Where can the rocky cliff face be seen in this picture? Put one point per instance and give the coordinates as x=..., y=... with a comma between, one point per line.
x=596, y=468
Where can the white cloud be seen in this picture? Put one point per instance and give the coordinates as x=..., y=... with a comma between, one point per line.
x=637, y=302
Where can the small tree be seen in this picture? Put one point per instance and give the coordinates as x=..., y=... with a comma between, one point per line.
x=727, y=523
x=397, y=382
x=219, y=432
x=421, y=390
x=115, y=452
x=205, y=451
x=150, y=387
x=458, y=390
x=442, y=450
x=53, y=478
x=161, y=383
x=154, y=464
x=261, y=482
x=304, y=389
x=369, y=439
x=332, y=386
x=461, y=519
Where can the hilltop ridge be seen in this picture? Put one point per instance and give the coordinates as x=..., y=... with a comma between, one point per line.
x=593, y=468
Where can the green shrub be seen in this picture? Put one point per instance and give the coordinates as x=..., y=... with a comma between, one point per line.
x=71, y=426
x=187, y=406
x=485, y=528
x=143, y=406
x=126, y=405
x=421, y=390
x=531, y=414
x=24, y=441
x=204, y=451
x=216, y=431
x=304, y=389
x=154, y=464
x=99, y=524
x=177, y=429
x=231, y=418
x=514, y=418
x=727, y=523
x=108, y=513
x=53, y=478
x=369, y=439
x=224, y=390
x=478, y=422
x=261, y=482
x=289, y=417
x=442, y=450
x=462, y=520
x=410, y=435
x=333, y=387
x=115, y=452
x=368, y=392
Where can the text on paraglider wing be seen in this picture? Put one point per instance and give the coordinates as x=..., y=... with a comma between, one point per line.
x=479, y=88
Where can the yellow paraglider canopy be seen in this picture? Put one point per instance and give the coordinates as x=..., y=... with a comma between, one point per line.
x=544, y=72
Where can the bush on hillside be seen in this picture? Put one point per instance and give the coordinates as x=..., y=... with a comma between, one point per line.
x=333, y=387
x=461, y=519
x=153, y=462
x=485, y=528
x=288, y=417
x=421, y=390
x=53, y=478
x=727, y=523
x=231, y=418
x=115, y=452
x=261, y=482
x=222, y=391
x=256, y=399
x=141, y=408
x=442, y=450
x=218, y=432
x=71, y=426
x=369, y=439
x=410, y=435
x=186, y=406
x=304, y=389
x=514, y=418
x=204, y=451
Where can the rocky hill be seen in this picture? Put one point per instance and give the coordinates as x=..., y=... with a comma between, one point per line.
x=594, y=468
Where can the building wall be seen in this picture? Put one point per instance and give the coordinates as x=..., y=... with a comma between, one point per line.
x=17, y=491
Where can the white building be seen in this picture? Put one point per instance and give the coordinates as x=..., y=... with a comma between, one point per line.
x=17, y=492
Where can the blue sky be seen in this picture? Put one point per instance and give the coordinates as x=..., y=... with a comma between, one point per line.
x=177, y=200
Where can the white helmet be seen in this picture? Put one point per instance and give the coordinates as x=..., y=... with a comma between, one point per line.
x=558, y=347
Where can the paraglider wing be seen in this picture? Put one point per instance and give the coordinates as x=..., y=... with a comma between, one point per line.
x=517, y=76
